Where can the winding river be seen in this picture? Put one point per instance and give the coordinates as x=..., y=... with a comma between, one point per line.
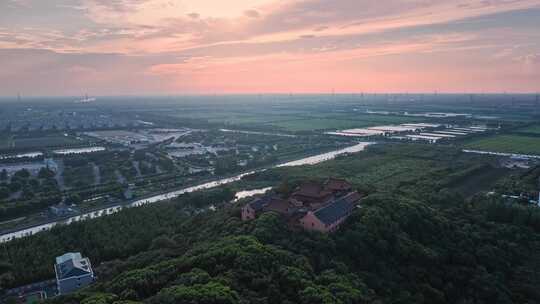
x=172, y=194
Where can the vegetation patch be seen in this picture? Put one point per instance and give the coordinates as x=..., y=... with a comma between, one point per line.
x=532, y=130
x=44, y=141
x=413, y=241
x=407, y=168
x=332, y=121
x=507, y=144
x=5, y=141
x=317, y=124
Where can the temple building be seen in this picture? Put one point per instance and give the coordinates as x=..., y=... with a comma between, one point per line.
x=312, y=206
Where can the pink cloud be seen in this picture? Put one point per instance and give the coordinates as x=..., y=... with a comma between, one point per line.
x=270, y=45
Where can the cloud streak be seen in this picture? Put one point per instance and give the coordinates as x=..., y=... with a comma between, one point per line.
x=184, y=46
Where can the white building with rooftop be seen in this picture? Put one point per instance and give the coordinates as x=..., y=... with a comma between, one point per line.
x=72, y=272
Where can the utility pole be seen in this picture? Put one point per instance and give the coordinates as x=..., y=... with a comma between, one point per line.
x=538, y=202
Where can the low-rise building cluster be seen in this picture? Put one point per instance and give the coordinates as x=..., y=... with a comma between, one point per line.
x=312, y=206
x=427, y=132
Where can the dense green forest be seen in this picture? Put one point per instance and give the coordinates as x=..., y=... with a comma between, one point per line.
x=416, y=240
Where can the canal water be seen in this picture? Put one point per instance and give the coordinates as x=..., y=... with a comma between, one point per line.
x=169, y=195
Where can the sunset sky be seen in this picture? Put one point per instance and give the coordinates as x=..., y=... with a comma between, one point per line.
x=115, y=47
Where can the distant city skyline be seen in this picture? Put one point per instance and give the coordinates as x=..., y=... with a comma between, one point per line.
x=161, y=47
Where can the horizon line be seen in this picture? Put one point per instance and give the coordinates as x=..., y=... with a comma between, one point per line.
x=21, y=96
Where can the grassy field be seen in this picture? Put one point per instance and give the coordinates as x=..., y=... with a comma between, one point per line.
x=341, y=122
x=411, y=168
x=235, y=118
x=239, y=119
x=382, y=119
x=5, y=141
x=318, y=124
x=46, y=141
x=507, y=144
x=296, y=121
x=531, y=129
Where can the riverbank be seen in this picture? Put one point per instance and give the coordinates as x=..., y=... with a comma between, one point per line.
x=28, y=231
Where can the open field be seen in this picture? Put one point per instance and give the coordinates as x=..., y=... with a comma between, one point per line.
x=45, y=141
x=411, y=168
x=507, y=144
x=249, y=119
x=341, y=122
x=382, y=119
x=317, y=124
x=235, y=118
x=479, y=178
x=295, y=121
x=532, y=129
x=5, y=141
